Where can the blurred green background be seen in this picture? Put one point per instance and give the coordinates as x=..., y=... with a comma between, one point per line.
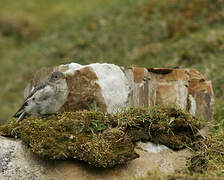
x=144, y=33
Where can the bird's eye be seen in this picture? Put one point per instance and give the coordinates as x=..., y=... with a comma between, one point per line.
x=56, y=77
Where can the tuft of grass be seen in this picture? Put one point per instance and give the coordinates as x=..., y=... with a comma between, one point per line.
x=208, y=155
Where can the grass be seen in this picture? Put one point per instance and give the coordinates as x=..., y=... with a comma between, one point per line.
x=145, y=33
x=129, y=33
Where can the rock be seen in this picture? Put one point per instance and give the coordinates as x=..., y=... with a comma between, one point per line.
x=166, y=161
x=17, y=162
x=109, y=88
x=186, y=88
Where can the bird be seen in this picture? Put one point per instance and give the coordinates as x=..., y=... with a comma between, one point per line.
x=45, y=99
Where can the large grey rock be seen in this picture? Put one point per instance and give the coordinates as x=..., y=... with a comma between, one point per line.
x=17, y=162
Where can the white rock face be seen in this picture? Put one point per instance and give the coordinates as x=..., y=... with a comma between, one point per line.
x=193, y=105
x=152, y=148
x=70, y=68
x=114, y=85
x=110, y=78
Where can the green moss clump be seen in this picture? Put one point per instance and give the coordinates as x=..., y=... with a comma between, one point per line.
x=103, y=139
x=171, y=126
x=135, y=122
x=208, y=154
x=75, y=135
x=174, y=127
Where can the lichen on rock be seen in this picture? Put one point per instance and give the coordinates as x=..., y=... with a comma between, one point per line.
x=104, y=139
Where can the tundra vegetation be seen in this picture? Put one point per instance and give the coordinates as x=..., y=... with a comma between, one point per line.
x=105, y=140
x=129, y=33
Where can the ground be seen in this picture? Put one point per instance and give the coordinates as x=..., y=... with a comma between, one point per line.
x=129, y=33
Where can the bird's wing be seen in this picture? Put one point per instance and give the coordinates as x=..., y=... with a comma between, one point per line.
x=21, y=109
x=42, y=94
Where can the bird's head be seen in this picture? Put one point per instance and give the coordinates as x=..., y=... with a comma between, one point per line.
x=56, y=77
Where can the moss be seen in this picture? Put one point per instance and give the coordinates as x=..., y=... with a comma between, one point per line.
x=206, y=162
x=108, y=149
x=208, y=155
x=103, y=139
x=174, y=127
x=81, y=135
x=166, y=125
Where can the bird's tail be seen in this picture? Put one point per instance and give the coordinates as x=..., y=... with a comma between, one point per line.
x=20, y=114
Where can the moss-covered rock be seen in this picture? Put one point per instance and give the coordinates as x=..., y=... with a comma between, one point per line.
x=103, y=139
x=206, y=162
x=174, y=127
x=75, y=135
x=208, y=154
